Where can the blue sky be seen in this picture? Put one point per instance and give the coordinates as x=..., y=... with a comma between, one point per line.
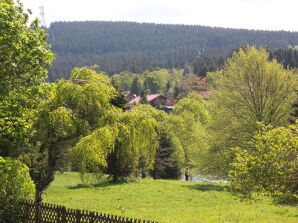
x=248, y=14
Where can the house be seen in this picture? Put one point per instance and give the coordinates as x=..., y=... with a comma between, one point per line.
x=203, y=90
x=135, y=101
x=128, y=95
x=155, y=100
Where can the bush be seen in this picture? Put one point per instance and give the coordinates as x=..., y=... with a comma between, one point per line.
x=269, y=164
x=15, y=185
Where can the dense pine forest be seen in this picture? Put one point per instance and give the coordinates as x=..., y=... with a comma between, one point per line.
x=130, y=46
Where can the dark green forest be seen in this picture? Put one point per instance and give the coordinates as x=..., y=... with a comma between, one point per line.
x=134, y=47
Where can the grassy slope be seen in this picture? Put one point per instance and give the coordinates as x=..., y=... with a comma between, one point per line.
x=166, y=201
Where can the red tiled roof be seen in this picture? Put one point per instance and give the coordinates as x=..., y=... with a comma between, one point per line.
x=135, y=101
x=151, y=97
x=171, y=102
x=203, y=85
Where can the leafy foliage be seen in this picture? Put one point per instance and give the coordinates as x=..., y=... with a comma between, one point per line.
x=15, y=185
x=169, y=153
x=170, y=82
x=136, y=86
x=155, y=81
x=117, y=147
x=269, y=164
x=151, y=83
x=249, y=89
x=24, y=59
x=188, y=123
x=73, y=109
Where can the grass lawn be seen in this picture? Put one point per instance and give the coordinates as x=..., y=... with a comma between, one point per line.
x=167, y=201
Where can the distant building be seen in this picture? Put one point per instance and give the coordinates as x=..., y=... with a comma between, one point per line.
x=203, y=88
x=128, y=95
x=134, y=101
x=155, y=100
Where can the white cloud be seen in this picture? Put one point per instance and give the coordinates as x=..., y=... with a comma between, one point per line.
x=250, y=14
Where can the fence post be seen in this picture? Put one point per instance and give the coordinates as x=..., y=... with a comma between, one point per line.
x=92, y=215
x=78, y=216
x=63, y=217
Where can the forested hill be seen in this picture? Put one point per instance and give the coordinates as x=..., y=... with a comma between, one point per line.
x=118, y=46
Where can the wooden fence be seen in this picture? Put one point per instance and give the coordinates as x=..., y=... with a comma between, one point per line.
x=50, y=213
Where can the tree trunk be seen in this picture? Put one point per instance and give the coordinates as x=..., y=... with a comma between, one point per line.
x=186, y=175
x=38, y=200
x=143, y=174
x=115, y=178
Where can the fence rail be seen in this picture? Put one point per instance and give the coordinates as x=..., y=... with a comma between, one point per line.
x=50, y=213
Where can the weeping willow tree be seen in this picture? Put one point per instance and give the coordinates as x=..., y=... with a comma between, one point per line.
x=116, y=148
x=71, y=109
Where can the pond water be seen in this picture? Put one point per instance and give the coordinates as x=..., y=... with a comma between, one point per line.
x=198, y=178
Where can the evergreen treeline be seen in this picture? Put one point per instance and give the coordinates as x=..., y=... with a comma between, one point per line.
x=118, y=46
x=286, y=56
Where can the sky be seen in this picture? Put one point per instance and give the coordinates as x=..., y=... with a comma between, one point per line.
x=247, y=14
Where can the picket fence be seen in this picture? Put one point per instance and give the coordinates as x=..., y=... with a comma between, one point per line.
x=50, y=213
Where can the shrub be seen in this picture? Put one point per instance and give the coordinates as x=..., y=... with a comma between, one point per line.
x=269, y=164
x=15, y=184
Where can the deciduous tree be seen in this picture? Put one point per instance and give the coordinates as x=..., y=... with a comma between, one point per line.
x=248, y=89
x=189, y=121
x=24, y=59
x=73, y=109
x=136, y=86
x=169, y=153
x=116, y=148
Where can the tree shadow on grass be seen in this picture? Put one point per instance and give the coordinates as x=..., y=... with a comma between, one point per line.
x=101, y=184
x=208, y=187
x=291, y=202
x=78, y=186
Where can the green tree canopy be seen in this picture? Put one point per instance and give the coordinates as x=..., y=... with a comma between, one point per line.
x=24, y=59
x=251, y=89
x=169, y=154
x=195, y=104
x=248, y=89
x=73, y=109
x=189, y=124
x=268, y=164
x=117, y=147
x=136, y=86
x=151, y=83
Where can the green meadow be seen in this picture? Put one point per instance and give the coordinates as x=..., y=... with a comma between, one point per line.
x=166, y=201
